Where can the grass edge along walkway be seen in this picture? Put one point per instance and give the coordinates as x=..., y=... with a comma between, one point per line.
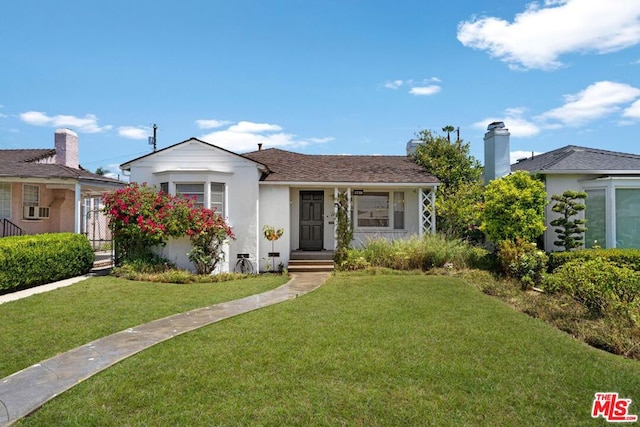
x=27, y=390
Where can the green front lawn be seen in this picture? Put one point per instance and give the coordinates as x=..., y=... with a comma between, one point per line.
x=361, y=350
x=41, y=326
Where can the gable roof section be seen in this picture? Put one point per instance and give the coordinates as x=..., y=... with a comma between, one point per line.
x=575, y=159
x=286, y=166
x=24, y=164
x=127, y=165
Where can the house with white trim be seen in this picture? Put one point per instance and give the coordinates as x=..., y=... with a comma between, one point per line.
x=388, y=196
x=611, y=180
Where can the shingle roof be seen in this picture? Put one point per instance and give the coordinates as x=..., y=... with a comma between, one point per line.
x=286, y=166
x=580, y=159
x=23, y=164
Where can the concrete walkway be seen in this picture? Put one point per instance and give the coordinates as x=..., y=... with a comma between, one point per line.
x=27, y=390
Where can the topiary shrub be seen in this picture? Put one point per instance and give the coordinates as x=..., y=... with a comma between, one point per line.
x=27, y=261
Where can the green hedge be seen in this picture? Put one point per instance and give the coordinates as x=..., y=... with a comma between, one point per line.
x=27, y=261
x=629, y=258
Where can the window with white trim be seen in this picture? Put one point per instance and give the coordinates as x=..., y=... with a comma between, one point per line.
x=380, y=209
x=30, y=195
x=398, y=210
x=217, y=197
x=373, y=210
x=194, y=192
x=5, y=200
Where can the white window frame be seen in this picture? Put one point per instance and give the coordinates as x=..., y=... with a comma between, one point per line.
x=390, y=210
x=24, y=195
x=192, y=193
x=220, y=207
x=5, y=199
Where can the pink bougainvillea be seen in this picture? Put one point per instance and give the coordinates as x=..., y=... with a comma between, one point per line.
x=142, y=217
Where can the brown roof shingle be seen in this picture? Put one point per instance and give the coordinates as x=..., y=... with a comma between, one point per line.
x=286, y=166
x=23, y=164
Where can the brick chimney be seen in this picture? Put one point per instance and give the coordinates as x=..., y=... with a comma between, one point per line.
x=66, y=144
x=496, y=152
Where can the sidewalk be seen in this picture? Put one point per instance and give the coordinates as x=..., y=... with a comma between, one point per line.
x=27, y=390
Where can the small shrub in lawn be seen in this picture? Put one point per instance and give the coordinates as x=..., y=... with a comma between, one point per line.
x=353, y=260
x=601, y=286
x=523, y=261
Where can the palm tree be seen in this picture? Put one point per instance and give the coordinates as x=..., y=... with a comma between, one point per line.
x=448, y=129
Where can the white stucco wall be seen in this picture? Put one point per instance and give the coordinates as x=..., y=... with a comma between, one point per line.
x=195, y=162
x=274, y=211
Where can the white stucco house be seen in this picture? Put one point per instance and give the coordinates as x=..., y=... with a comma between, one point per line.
x=389, y=196
x=611, y=180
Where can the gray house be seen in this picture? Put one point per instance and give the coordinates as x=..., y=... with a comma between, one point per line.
x=611, y=180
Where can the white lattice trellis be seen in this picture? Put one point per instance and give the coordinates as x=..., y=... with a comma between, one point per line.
x=427, y=211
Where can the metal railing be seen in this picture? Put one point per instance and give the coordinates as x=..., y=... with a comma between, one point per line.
x=10, y=229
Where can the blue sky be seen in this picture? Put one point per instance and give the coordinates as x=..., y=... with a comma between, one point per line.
x=318, y=77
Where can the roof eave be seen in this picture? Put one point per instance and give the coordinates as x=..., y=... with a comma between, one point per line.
x=351, y=184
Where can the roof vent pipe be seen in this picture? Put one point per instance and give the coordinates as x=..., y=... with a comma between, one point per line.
x=259, y=146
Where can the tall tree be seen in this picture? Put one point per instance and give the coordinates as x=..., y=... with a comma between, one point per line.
x=101, y=171
x=460, y=190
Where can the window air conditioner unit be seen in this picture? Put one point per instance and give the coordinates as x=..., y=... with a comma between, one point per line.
x=36, y=212
x=31, y=212
x=43, y=212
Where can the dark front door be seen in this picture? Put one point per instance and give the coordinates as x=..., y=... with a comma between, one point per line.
x=311, y=220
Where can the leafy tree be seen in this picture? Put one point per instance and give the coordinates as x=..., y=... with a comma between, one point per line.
x=460, y=190
x=101, y=171
x=570, y=231
x=514, y=208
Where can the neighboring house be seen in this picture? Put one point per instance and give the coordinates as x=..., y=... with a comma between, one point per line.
x=44, y=190
x=612, y=183
x=389, y=196
x=610, y=179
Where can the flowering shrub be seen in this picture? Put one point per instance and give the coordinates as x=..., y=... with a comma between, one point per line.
x=208, y=232
x=142, y=217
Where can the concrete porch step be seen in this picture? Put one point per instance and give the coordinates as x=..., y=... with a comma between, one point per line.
x=299, y=266
x=311, y=255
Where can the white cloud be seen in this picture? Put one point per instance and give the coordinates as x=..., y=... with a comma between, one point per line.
x=425, y=90
x=513, y=119
x=3, y=116
x=251, y=127
x=394, y=84
x=245, y=136
x=86, y=124
x=424, y=87
x=514, y=156
x=594, y=102
x=633, y=111
x=541, y=34
x=135, y=132
x=211, y=123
